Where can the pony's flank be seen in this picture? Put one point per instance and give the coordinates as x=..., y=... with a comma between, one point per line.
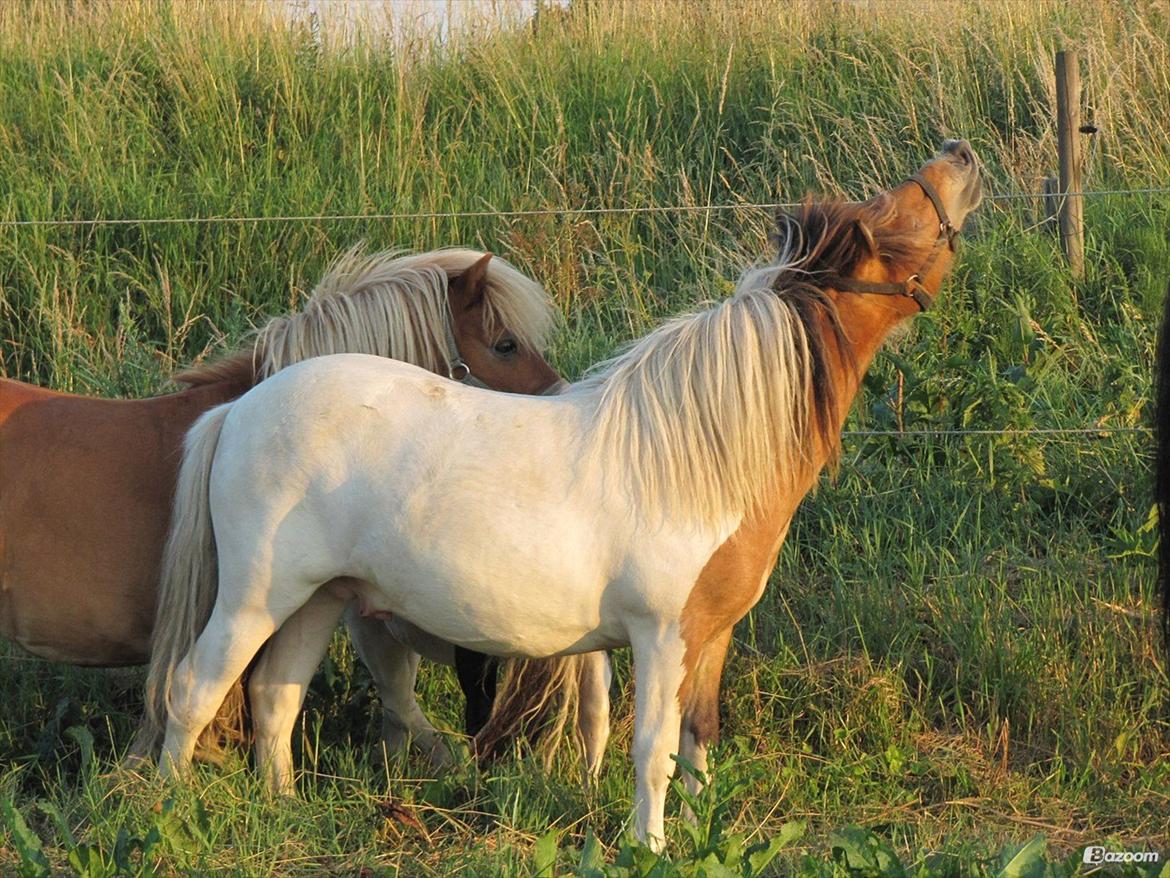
x=389, y=305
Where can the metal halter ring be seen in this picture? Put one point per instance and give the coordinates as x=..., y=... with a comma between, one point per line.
x=950, y=231
x=459, y=371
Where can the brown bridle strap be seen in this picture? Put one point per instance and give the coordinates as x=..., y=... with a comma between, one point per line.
x=458, y=370
x=911, y=287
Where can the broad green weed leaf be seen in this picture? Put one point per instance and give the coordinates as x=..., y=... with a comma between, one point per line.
x=84, y=739
x=851, y=847
x=544, y=856
x=33, y=862
x=1028, y=862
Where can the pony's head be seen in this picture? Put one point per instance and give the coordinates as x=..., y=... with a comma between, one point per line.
x=456, y=312
x=889, y=255
x=894, y=248
x=487, y=348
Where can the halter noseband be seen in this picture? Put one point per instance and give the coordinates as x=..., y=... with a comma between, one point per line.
x=912, y=287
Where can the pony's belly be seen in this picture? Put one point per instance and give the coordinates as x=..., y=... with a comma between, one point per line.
x=495, y=592
x=522, y=615
x=430, y=619
x=504, y=631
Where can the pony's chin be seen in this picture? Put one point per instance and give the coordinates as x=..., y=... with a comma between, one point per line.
x=900, y=334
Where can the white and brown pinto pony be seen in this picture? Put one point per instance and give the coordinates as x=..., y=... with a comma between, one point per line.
x=645, y=506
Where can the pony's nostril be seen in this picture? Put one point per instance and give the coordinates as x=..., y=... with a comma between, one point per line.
x=961, y=150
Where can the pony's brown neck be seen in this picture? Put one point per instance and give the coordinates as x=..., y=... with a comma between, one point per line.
x=865, y=322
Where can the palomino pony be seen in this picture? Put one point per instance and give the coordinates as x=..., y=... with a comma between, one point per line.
x=645, y=506
x=86, y=484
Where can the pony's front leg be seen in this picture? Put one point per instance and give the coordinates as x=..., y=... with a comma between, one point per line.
x=699, y=697
x=281, y=678
x=658, y=673
x=230, y=640
x=594, y=680
x=394, y=667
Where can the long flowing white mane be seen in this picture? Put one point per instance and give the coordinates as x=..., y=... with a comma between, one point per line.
x=390, y=305
x=710, y=413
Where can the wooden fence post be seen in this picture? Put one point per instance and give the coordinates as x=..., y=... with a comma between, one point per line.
x=1068, y=123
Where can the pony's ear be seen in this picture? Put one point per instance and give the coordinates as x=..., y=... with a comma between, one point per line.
x=863, y=236
x=468, y=288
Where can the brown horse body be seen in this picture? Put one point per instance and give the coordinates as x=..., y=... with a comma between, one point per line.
x=85, y=502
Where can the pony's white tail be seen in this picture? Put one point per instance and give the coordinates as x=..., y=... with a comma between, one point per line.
x=188, y=585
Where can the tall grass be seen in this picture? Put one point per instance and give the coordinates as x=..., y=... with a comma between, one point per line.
x=958, y=647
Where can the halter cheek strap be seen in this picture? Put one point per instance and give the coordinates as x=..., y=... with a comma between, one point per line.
x=458, y=370
x=912, y=287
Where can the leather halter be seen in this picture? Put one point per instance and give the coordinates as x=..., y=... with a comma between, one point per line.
x=912, y=287
x=457, y=368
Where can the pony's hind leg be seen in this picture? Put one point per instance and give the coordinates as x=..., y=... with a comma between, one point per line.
x=699, y=697
x=281, y=678
x=595, y=678
x=394, y=667
x=230, y=640
x=477, y=678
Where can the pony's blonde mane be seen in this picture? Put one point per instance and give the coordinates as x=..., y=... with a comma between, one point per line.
x=712, y=413
x=708, y=412
x=387, y=304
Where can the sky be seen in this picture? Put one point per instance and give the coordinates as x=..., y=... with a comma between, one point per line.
x=398, y=18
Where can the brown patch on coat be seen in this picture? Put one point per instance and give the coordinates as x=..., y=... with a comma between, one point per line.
x=727, y=588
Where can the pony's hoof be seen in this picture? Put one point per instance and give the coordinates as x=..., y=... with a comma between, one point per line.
x=439, y=754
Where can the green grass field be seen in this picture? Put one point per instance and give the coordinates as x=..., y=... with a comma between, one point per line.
x=958, y=651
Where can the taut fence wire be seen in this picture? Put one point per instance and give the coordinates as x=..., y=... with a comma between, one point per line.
x=489, y=213
x=1050, y=432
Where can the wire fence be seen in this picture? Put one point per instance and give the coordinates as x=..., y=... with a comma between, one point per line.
x=490, y=213
x=1052, y=432
x=992, y=431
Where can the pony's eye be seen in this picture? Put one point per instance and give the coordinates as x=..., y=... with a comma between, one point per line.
x=505, y=347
